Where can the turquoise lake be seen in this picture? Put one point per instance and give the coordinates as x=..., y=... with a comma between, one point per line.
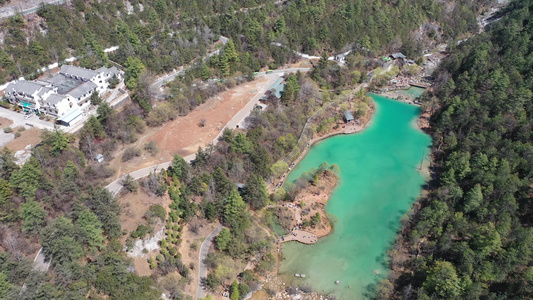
x=379, y=181
x=413, y=92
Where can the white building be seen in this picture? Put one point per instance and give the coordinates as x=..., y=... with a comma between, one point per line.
x=62, y=93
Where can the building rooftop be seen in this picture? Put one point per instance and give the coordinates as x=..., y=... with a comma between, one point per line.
x=278, y=87
x=112, y=71
x=348, y=116
x=82, y=89
x=63, y=83
x=398, y=55
x=55, y=99
x=44, y=90
x=82, y=73
x=26, y=87
x=70, y=116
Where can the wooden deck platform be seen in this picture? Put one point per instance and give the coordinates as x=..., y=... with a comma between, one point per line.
x=301, y=236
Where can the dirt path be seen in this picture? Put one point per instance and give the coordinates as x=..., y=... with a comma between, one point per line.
x=192, y=136
x=183, y=136
x=202, y=268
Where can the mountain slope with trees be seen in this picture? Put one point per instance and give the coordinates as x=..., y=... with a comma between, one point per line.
x=57, y=200
x=472, y=238
x=164, y=34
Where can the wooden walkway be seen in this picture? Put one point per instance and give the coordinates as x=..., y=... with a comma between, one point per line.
x=301, y=236
x=420, y=85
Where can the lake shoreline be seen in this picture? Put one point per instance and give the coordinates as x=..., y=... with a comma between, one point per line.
x=314, y=199
x=409, y=155
x=346, y=129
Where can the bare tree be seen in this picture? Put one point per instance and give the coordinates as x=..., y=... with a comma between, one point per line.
x=202, y=122
x=12, y=241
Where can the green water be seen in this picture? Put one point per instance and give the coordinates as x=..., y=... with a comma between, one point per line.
x=379, y=182
x=413, y=92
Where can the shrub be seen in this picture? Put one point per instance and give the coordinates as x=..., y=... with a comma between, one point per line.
x=151, y=148
x=8, y=130
x=5, y=104
x=130, y=184
x=202, y=123
x=17, y=134
x=140, y=232
x=130, y=242
x=161, y=114
x=152, y=262
x=194, y=246
x=156, y=210
x=130, y=153
x=172, y=251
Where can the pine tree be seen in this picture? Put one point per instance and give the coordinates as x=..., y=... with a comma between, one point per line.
x=234, y=295
x=179, y=167
x=223, y=65
x=205, y=73
x=33, y=216
x=91, y=229
x=291, y=89
x=230, y=52
x=223, y=239
x=255, y=192
x=27, y=180
x=240, y=144
x=234, y=210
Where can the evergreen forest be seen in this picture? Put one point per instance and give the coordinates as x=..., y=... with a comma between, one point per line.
x=469, y=238
x=472, y=238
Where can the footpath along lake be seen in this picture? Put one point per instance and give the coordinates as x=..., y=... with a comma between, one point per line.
x=379, y=181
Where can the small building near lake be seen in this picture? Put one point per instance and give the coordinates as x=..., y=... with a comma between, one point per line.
x=398, y=55
x=276, y=89
x=348, y=117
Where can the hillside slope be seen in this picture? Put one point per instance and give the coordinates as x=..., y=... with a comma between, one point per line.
x=473, y=238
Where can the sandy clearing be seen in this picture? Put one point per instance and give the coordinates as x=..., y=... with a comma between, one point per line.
x=30, y=136
x=5, y=122
x=134, y=206
x=183, y=136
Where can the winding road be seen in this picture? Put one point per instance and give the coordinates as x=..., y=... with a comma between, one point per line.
x=115, y=186
x=202, y=268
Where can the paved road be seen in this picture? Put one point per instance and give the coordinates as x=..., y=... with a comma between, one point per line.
x=115, y=186
x=39, y=263
x=24, y=7
x=202, y=268
x=18, y=119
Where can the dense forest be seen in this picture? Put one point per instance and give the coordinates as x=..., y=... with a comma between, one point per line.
x=56, y=199
x=472, y=238
x=165, y=34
